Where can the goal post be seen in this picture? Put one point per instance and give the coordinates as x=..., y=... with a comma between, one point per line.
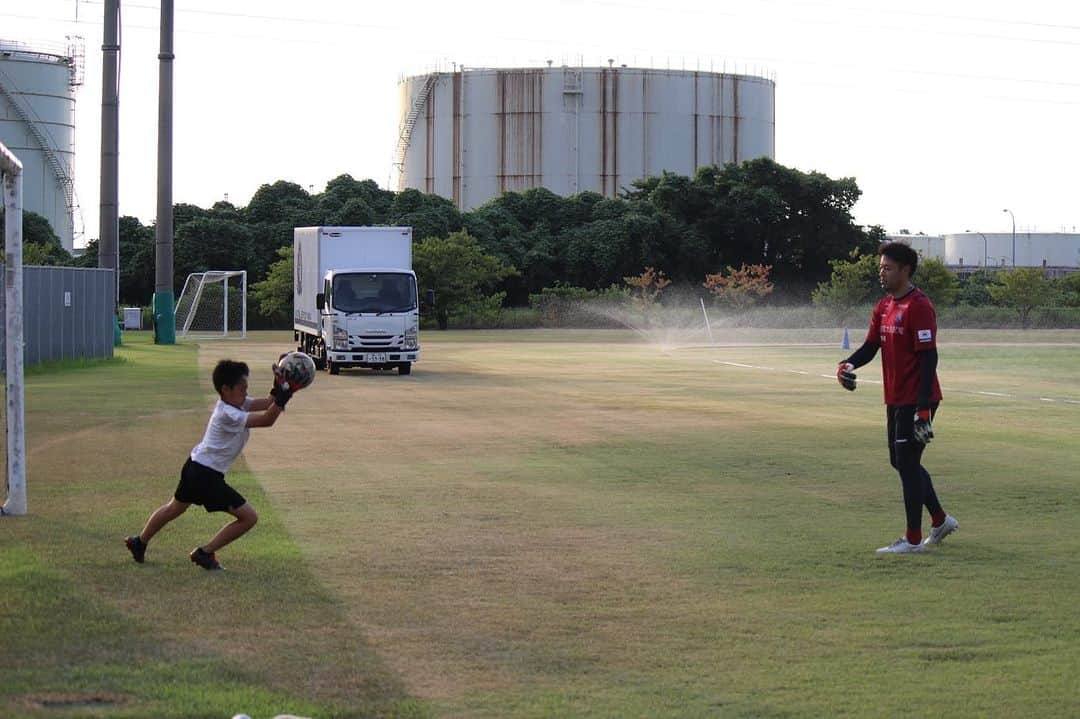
x=11, y=171
x=213, y=305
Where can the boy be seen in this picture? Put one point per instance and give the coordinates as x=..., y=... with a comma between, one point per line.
x=202, y=480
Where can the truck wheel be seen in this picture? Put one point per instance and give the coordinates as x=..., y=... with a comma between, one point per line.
x=404, y=368
x=332, y=368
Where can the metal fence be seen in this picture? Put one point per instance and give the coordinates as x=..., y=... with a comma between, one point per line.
x=68, y=313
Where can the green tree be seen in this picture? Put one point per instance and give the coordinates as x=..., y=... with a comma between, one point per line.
x=41, y=246
x=429, y=215
x=458, y=270
x=937, y=281
x=281, y=202
x=1069, y=289
x=210, y=243
x=273, y=296
x=354, y=213
x=853, y=282
x=975, y=289
x=1024, y=289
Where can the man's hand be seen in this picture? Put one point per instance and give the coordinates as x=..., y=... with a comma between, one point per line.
x=845, y=375
x=924, y=431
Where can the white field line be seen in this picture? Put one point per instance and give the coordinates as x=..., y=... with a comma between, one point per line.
x=980, y=393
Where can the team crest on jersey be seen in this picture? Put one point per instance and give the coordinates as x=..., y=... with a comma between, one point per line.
x=926, y=335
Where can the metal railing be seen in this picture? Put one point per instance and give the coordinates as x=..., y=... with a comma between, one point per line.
x=9, y=91
x=406, y=130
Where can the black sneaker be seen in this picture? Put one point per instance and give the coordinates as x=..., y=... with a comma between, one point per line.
x=204, y=559
x=137, y=547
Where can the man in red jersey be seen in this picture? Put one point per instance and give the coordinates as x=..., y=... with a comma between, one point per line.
x=904, y=328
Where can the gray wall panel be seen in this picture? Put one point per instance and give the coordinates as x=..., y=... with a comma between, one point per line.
x=54, y=331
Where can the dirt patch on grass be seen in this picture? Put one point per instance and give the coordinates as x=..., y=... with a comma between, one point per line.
x=72, y=701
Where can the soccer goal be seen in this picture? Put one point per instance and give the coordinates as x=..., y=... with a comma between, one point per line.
x=213, y=304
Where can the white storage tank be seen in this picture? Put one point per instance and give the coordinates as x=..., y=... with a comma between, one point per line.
x=928, y=246
x=37, y=123
x=1059, y=250
x=470, y=135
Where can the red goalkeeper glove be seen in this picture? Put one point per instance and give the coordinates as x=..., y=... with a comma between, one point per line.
x=845, y=375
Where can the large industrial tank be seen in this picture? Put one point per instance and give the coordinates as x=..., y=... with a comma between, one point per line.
x=928, y=246
x=37, y=123
x=470, y=135
x=1052, y=250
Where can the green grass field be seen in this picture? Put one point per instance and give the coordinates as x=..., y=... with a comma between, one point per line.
x=552, y=524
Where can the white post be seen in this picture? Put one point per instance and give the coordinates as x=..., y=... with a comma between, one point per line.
x=708, y=327
x=243, y=304
x=225, y=300
x=11, y=169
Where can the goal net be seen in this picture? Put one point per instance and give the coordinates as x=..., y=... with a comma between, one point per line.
x=213, y=304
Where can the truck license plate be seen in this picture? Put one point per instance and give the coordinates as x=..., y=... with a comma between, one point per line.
x=378, y=357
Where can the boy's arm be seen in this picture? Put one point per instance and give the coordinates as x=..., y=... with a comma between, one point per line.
x=271, y=407
x=265, y=418
x=258, y=405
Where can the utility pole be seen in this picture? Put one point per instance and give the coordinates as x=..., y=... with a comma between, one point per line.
x=1013, y=236
x=109, y=227
x=164, y=315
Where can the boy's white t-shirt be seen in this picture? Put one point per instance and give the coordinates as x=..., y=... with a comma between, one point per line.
x=226, y=435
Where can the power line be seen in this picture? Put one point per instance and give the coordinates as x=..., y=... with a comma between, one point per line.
x=942, y=16
x=954, y=33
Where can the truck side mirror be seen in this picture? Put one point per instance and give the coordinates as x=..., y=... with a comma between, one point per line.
x=429, y=297
x=320, y=301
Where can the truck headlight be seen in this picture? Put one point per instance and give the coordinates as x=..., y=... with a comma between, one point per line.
x=411, y=341
x=341, y=338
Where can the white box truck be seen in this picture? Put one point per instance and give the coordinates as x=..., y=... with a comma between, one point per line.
x=355, y=301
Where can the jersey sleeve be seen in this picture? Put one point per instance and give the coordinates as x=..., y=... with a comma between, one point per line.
x=233, y=419
x=922, y=322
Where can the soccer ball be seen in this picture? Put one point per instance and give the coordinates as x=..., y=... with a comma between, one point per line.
x=297, y=369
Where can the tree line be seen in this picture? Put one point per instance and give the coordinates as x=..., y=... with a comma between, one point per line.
x=716, y=227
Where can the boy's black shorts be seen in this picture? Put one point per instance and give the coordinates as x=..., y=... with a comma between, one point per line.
x=201, y=485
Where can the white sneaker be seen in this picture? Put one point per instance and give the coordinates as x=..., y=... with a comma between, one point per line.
x=900, y=546
x=937, y=534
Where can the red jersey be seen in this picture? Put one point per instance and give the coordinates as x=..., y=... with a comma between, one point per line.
x=903, y=328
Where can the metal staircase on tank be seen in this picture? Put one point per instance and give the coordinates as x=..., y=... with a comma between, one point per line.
x=405, y=135
x=63, y=178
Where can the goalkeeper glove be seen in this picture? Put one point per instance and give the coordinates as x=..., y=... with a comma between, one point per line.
x=281, y=394
x=845, y=375
x=924, y=431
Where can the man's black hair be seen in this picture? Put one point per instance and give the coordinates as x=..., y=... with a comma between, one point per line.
x=901, y=254
x=228, y=373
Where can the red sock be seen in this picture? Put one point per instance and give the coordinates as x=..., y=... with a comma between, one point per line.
x=914, y=536
x=937, y=519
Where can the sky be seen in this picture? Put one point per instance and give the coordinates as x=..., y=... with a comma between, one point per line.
x=946, y=112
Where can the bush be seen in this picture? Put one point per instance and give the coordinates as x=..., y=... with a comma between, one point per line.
x=568, y=306
x=990, y=317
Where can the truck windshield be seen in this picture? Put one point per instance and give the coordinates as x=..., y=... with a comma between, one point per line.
x=374, y=292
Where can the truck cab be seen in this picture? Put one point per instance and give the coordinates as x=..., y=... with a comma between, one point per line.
x=371, y=319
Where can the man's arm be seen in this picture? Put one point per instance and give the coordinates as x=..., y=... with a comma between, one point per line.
x=845, y=372
x=927, y=368
x=862, y=355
